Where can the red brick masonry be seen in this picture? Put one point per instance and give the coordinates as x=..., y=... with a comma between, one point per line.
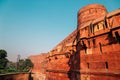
x=92, y=51
x=39, y=62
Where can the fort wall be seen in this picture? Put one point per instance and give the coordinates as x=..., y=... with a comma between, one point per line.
x=91, y=52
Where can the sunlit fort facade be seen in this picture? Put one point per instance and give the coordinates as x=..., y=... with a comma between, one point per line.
x=92, y=51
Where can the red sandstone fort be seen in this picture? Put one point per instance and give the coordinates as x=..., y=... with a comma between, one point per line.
x=91, y=52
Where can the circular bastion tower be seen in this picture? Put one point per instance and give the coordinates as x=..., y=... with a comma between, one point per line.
x=89, y=13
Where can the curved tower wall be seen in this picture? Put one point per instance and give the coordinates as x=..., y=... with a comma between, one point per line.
x=89, y=13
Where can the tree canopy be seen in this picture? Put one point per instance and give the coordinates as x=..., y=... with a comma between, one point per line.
x=24, y=65
x=3, y=54
x=3, y=59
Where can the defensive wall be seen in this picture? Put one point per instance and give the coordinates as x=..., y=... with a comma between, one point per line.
x=39, y=68
x=92, y=51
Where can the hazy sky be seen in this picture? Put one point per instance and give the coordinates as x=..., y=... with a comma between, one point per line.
x=29, y=27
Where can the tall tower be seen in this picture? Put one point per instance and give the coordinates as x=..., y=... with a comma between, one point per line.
x=85, y=17
x=90, y=13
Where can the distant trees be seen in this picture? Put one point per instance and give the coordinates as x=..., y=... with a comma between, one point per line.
x=6, y=66
x=28, y=63
x=11, y=67
x=3, y=59
x=25, y=65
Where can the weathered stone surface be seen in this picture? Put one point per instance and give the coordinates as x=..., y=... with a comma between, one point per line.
x=92, y=51
x=39, y=62
x=89, y=13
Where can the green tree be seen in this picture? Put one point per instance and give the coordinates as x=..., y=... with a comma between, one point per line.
x=11, y=67
x=3, y=59
x=3, y=54
x=25, y=65
x=3, y=63
x=28, y=63
x=21, y=65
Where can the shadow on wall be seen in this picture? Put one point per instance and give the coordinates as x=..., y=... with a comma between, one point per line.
x=30, y=76
x=74, y=61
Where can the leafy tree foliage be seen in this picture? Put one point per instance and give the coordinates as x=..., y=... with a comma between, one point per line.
x=3, y=54
x=3, y=60
x=28, y=63
x=11, y=67
x=3, y=63
x=25, y=65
